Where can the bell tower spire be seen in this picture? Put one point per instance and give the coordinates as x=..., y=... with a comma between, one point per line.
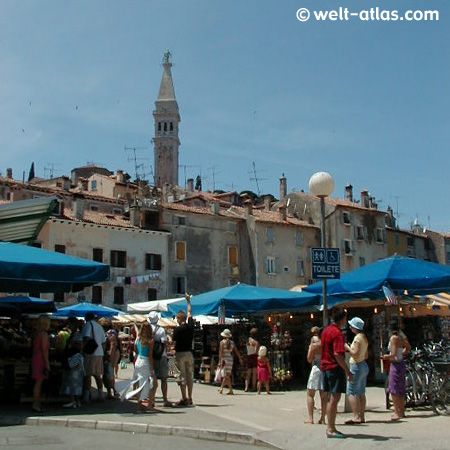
x=167, y=118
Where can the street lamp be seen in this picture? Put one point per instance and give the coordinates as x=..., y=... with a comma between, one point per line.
x=321, y=184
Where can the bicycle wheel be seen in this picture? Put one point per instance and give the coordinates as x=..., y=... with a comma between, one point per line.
x=386, y=393
x=440, y=399
x=410, y=387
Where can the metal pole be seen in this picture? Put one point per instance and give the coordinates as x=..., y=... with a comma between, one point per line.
x=323, y=244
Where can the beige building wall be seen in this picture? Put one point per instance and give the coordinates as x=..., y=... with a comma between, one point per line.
x=81, y=238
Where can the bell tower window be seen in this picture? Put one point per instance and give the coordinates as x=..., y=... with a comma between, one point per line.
x=159, y=126
x=171, y=126
x=165, y=126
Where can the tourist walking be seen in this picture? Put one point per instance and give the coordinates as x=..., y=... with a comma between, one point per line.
x=335, y=371
x=226, y=350
x=93, y=363
x=356, y=389
x=399, y=347
x=160, y=361
x=144, y=381
x=40, y=365
x=264, y=370
x=315, y=378
x=252, y=360
x=73, y=370
x=183, y=337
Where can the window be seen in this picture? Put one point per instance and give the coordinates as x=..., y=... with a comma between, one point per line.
x=118, y=295
x=271, y=265
x=298, y=238
x=152, y=294
x=179, y=285
x=380, y=235
x=152, y=261
x=117, y=211
x=300, y=268
x=232, y=256
x=159, y=126
x=171, y=126
x=346, y=217
x=360, y=232
x=180, y=251
x=348, y=247
x=93, y=185
x=362, y=261
x=118, y=258
x=97, y=295
x=37, y=244
x=58, y=297
x=94, y=208
x=270, y=234
x=97, y=255
x=179, y=220
x=397, y=240
x=60, y=248
x=165, y=126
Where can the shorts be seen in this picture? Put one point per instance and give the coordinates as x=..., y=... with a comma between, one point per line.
x=334, y=381
x=185, y=363
x=93, y=365
x=161, y=368
x=252, y=361
x=358, y=385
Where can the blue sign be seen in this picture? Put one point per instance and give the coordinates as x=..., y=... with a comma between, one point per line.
x=325, y=263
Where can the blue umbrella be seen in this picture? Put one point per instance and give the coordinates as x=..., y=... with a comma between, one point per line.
x=21, y=304
x=243, y=298
x=25, y=269
x=81, y=309
x=398, y=272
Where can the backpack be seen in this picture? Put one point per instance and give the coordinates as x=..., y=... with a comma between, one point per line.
x=158, y=347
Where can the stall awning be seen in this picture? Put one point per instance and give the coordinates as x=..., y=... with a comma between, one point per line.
x=22, y=221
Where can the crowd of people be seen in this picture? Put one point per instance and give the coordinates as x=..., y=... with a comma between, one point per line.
x=91, y=350
x=331, y=376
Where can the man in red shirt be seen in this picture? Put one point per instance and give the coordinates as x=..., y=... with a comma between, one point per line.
x=335, y=371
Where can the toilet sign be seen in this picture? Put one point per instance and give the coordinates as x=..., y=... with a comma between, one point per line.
x=325, y=263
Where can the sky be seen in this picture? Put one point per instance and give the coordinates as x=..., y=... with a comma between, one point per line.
x=260, y=94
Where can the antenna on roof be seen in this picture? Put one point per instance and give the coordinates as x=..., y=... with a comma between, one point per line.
x=255, y=178
x=138, y=168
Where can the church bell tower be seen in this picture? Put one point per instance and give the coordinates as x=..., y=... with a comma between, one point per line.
x=167, y=120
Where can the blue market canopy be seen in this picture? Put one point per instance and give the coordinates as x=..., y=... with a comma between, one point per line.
x=81, y=309
x=398, y=272
x=243, y=298
x=20, y=304
x=26, y=269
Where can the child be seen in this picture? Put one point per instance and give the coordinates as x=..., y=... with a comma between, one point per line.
x=73, y=375
x=264, y=369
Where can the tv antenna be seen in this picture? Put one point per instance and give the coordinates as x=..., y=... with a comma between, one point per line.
x=138, y=167
x=50, y=169
x=213, y=172
x=255, y=178
x=186, y=166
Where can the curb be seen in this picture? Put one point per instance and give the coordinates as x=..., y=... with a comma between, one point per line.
x=142, y=428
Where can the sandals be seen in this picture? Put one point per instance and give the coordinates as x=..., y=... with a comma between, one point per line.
x=353, y=422
x=336, y=435
x=183, y=402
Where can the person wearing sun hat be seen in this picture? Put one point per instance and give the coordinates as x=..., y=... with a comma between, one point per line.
x=161, y=365
x=226, y=350
x=356, y=388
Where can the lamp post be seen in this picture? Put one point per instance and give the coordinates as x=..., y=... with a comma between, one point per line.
x=321, y=184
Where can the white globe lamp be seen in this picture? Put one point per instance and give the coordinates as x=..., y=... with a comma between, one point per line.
x=321, y=184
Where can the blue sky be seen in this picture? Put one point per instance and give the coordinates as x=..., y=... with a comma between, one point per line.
x=366, y=101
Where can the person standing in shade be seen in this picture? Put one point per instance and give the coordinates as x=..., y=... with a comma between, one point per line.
x=356, y=389
x=161, y=365
x=252, y=360
x=183, y=337
x=93, y=364
x=315, y=382
x=40, y=365
x=226, y=350
x=399, y=347
x=335, y=371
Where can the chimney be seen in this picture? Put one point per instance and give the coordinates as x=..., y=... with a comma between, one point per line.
x=165, y=190
x=215, y=207
x=83, y=184
x=282, y=213
x=349, y=192
x=190, y=185
x=365, y=198
x=65, y=183
x=248, y=207
x=9, y=173
x=78, y=207
x=390, y=217
x=135, y=215
x=120, y=178
x=283, y=187
x=267, y=201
